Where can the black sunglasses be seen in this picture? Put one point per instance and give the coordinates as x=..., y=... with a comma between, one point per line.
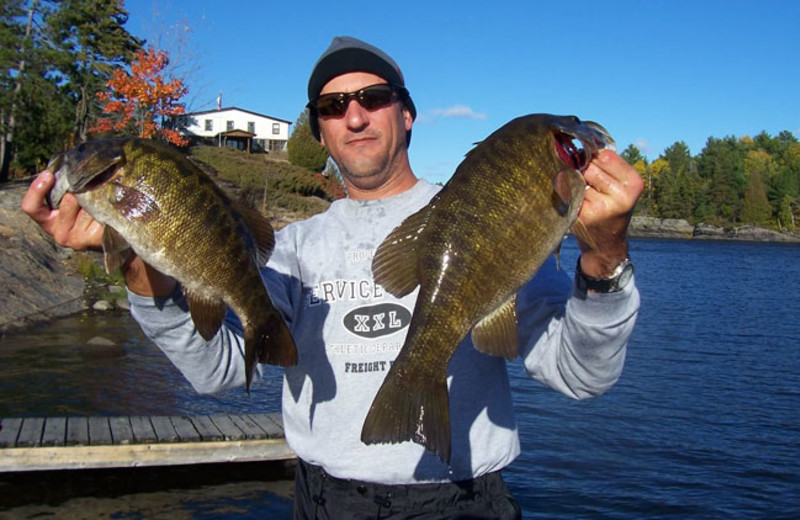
x=371, y=98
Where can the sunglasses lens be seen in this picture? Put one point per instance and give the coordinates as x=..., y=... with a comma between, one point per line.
x=331, y=105
x=371, y=98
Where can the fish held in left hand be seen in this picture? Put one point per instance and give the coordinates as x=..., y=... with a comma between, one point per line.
x=156, y=202
x=479, y=240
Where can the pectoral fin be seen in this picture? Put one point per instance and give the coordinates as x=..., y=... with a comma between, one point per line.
x=116, y=250
x=395, y=263
x=207, y=314
x=568, y=188
x=580, y=231
x=496, y=334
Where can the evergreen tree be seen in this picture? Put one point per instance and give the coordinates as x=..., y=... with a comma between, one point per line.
x=32, y=103
x=304, y=150
x=683, y=185
x=721, y=167
x=15, y=29
x=786, y=218
x=632, y=155
x=91, y=41
x=756, y=209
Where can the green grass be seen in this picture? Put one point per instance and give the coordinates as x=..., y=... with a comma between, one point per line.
x=282, y=191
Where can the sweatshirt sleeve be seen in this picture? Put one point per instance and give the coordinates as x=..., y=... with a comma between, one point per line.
x=218, y=364
x=210, y=366
x=574, y=343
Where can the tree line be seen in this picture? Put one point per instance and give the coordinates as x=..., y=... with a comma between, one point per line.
x=69, y=68
x=732, y=181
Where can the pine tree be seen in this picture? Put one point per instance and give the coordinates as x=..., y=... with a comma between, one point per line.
x=304, y=150
x=91, y=41
x=756, y=208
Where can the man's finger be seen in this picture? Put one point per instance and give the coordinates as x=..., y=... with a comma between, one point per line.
x=33, y=202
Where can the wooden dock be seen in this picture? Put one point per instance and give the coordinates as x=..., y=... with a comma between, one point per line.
x=58, y=443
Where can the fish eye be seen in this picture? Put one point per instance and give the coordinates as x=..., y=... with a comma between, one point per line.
x=573, y=155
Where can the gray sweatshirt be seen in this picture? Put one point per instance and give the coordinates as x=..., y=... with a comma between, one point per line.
x=348, y=330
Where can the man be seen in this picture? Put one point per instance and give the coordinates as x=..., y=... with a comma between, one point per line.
x=572, y=337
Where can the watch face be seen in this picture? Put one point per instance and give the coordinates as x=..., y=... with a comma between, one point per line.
x=625, y=276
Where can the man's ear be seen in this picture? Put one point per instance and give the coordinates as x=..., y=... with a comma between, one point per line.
x=407, y=118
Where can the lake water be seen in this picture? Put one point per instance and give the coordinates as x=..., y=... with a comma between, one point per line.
x=705, y=422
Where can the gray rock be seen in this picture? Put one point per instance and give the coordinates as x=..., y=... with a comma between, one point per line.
x=99, y=341
x=102, y=305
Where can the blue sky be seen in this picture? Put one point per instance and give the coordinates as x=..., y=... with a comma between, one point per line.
x=653, y=72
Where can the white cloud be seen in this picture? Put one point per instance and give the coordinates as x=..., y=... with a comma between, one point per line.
x=643, y=146
x=458, y=111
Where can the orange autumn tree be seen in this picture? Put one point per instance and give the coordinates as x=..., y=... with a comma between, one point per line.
x=143, y=101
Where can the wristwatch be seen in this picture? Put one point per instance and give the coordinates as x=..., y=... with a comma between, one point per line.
x=614, y=283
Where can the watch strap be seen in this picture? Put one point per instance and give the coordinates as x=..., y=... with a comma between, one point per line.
x=614, y=283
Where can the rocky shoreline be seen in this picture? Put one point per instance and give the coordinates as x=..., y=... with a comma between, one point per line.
x=649, y=227
x=40, y=283
x=37, y=278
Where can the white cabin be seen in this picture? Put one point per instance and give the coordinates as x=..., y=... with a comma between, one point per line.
x=236, y=128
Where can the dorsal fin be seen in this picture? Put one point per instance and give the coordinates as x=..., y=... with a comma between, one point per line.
x=395, y=263
x=496, y=334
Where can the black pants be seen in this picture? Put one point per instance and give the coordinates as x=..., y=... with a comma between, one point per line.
x=321, y=496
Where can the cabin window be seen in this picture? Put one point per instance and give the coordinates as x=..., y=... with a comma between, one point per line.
x=276, y=128
x=209, y=125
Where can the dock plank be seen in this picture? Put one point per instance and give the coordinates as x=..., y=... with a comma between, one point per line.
x=30, y=433
x=143, y=431
x=267, y=422
x=99, y=431
x=165, y=431
x=55, y=431
x=248, y=426
x=121, y=430
x=9, y=431
x=227, y=427
x=77, y=431
x=207, y=429
x=185, y=429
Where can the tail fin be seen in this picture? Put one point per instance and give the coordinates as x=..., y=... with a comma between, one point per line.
x=268, y=341
x=409, y=408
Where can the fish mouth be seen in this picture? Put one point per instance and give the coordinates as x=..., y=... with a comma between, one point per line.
x=577, y=142
x=81, y=169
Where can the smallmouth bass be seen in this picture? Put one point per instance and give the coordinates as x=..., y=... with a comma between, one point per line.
x=479, y=240
x=155, y=202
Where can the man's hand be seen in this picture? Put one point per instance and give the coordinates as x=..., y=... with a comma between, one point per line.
x=69, y=225
x=614, y=188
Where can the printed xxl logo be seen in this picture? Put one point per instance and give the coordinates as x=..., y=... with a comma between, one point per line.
x=377, y=320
